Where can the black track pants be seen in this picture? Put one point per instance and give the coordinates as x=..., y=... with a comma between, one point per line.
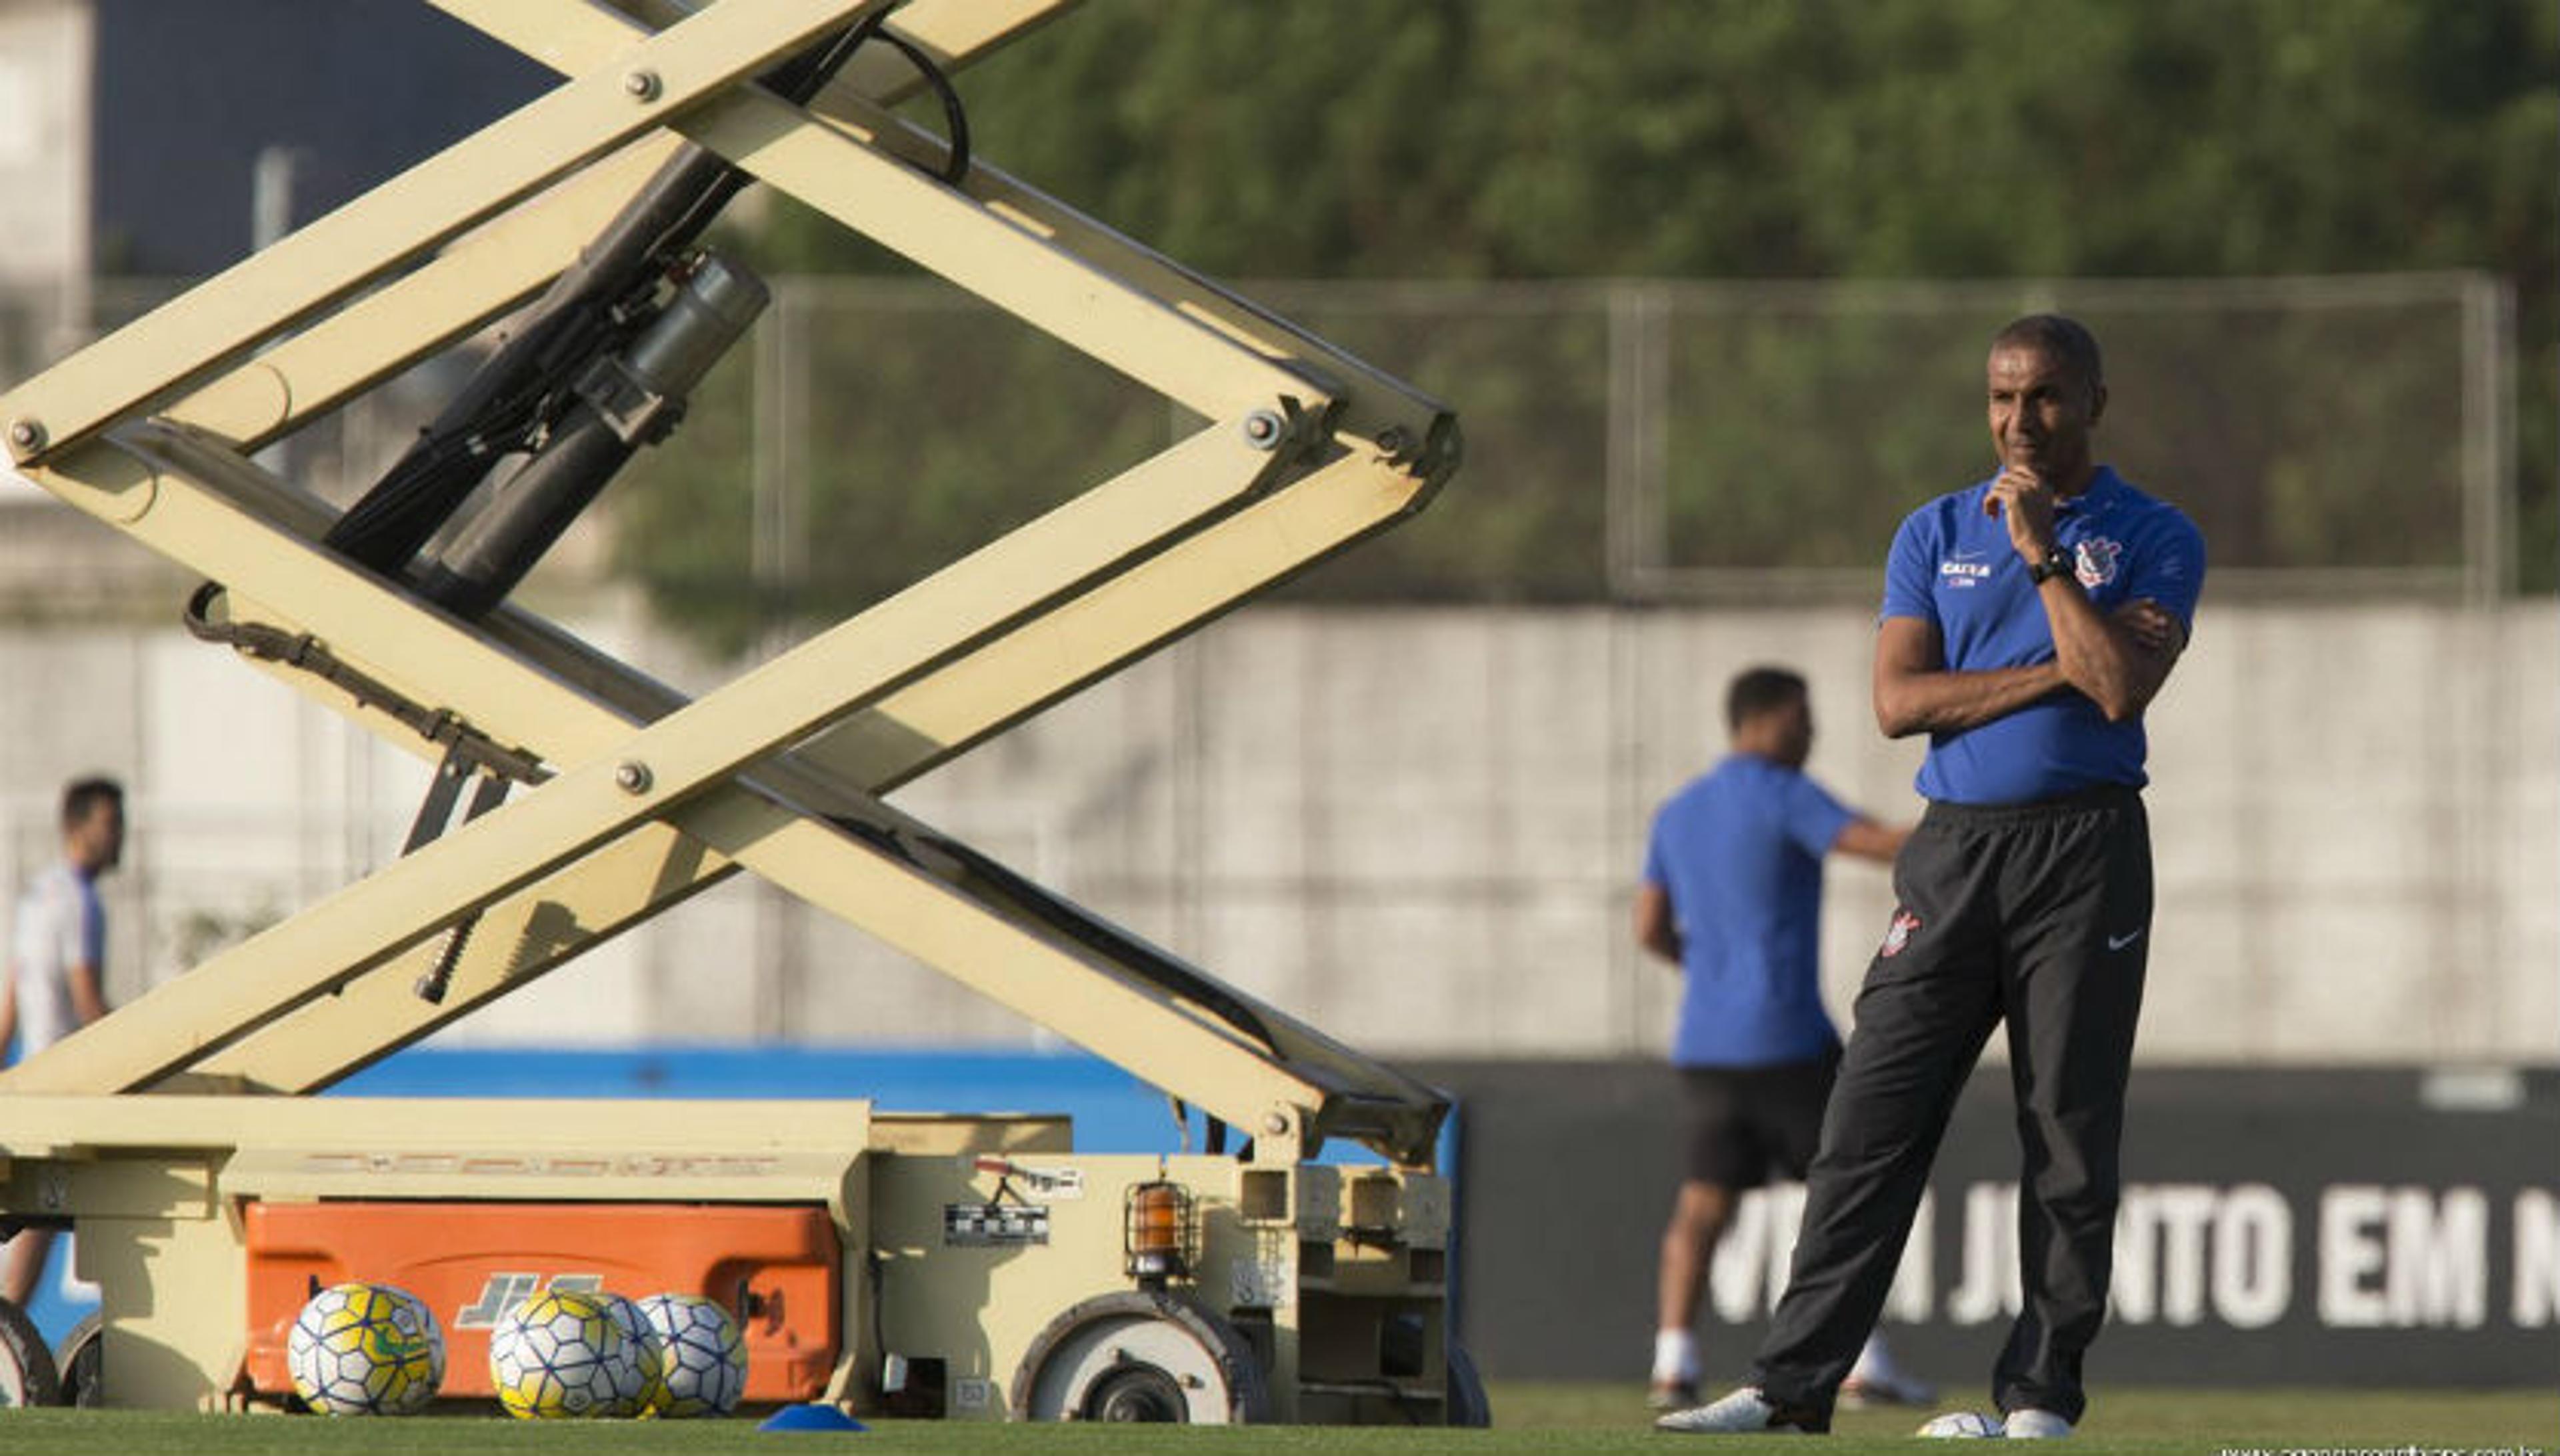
x=2038, y=914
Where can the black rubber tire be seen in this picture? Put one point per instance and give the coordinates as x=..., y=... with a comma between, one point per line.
x=81, y=1359
x=27, y=1374
x=1247, y=1393
x=1468, y=1405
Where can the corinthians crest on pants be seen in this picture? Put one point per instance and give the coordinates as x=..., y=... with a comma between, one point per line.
x=1899, y=934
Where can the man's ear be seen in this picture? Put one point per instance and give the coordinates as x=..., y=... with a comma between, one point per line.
x=2096, y=402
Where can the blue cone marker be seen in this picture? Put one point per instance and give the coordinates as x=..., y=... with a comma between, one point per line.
x=815, y=1415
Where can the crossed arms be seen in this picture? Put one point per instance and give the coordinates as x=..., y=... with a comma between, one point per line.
x=2117, y=661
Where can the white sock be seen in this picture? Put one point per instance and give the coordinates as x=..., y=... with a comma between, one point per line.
x=1675, y=1356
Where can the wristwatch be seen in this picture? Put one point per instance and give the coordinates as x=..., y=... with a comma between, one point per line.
x=2056, y=563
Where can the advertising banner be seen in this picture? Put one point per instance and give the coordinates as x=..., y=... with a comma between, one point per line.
x=2305, y=1228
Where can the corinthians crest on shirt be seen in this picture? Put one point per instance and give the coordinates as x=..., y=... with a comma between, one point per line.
x=1899, y=934
x=2094, y=560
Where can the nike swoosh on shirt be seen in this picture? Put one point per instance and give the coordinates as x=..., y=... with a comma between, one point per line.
x=2119, y=942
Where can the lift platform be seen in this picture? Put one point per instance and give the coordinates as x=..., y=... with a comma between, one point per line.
x=957, y=1265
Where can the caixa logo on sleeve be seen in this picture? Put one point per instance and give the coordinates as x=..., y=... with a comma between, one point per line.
x=502, y=1292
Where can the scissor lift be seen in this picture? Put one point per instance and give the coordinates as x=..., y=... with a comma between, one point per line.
x=969, y=1264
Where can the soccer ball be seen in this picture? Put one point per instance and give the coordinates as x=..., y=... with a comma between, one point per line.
x=704, y=1355
x=365, y=1350
x=561, y=1354
x=1961, y=1423
x=645, y=1396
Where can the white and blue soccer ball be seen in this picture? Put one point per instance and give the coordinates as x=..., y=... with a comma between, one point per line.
x=561, y=1354
x=644, y=1397
x=1962, y=1424
x=365, y=1350
x=702, y=1354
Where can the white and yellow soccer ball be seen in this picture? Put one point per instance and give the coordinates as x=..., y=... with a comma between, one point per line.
x=702, y=1354
x=649, y=1391
x=561, y=1354
x=365, y=1350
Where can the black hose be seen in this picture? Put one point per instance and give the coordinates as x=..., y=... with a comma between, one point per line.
x=520, y=388
x=955, y=117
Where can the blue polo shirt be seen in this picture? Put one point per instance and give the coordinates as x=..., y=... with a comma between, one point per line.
x=1739, y=851
x=1953, y=568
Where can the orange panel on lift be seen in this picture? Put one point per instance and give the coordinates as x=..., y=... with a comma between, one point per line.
x=471, y=1261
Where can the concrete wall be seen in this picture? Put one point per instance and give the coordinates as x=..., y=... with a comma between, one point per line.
x=1420, y=829
x=45, y=91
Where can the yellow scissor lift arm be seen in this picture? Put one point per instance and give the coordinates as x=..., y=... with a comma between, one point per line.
x=626, y=796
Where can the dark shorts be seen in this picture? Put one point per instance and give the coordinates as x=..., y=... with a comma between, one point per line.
x=1742, y=1125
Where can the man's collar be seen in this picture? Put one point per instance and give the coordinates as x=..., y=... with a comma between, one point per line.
x=2103, y=487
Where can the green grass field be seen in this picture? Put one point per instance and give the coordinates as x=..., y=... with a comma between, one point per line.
x=1569, y=1420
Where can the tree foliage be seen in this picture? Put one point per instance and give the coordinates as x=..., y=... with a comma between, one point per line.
x=1822, y=138
x=1857, y=139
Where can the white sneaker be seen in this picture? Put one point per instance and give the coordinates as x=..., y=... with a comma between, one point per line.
x=1877, y=1379
x=2033, y=1424
x=1865, y=1392
x=1743, y=1413
x=1961, y=1424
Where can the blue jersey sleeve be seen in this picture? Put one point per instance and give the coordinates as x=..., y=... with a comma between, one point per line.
x=2169, y=566
x=1656, y=873
x=1908, y=587
x=1814, y=818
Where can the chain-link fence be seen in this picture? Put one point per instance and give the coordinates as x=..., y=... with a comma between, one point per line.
x=1632, y=442
x=1636, y=440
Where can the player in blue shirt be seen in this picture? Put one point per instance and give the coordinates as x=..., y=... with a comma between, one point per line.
x=1733, y=896
x=2028, y=623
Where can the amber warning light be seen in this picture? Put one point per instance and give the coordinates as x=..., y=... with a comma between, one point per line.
x=1158, y=1228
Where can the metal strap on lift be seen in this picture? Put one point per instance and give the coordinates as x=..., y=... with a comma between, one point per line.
x=307, y=653
x=469, y=755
